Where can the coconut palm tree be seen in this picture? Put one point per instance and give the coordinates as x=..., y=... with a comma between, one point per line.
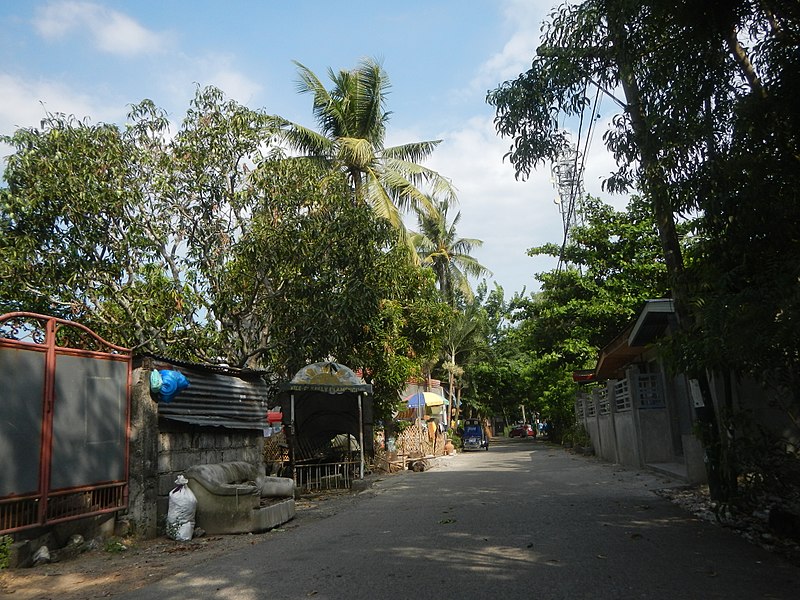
x=352, y=120
x=438, y=246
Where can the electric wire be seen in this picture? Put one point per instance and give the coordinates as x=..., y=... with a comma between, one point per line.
x=574, y=204
x=567, y=216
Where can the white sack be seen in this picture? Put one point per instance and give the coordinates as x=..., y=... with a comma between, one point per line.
x=182, y=508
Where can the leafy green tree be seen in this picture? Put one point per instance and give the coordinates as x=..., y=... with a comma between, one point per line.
x=703, y=137
x=209, y=191
x=209, y=246
x=493, y=382
x=77, y=238
x=130, y=232
x=352, y=120
x=462, y=344
x=439, y=247
x=323, y=270
x=613, y=266
x=404, y=337
x=693, y=139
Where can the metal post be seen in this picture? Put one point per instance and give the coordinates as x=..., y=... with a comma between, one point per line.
x=293, y=434
x=361, y=433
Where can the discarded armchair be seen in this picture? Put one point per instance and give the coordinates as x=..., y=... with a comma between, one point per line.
x=237, y=497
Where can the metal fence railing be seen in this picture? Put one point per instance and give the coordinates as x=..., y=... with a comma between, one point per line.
x=326, y=476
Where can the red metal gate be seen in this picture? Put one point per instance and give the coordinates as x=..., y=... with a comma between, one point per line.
x=64, y=422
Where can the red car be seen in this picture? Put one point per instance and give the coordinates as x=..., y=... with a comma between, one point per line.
x=522, y=430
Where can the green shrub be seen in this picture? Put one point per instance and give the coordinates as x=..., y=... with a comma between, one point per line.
x=576, y=436
x=5, y=550
x=115, y=546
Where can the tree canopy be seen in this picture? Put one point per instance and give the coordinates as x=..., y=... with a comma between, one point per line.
x=210, y=245
x=707, y=127
x=439, y=247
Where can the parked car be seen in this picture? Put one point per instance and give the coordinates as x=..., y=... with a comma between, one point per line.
x=522, y=430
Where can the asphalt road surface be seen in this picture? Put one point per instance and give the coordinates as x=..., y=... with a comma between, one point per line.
x=522, y=520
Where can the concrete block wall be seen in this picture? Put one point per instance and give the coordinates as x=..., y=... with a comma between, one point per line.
x=143, y=457
x=183, y=446
x=627, y=441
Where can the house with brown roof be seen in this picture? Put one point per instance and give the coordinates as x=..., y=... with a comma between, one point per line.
x=637, y=412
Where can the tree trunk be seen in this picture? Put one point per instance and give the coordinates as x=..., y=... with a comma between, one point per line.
x=653, y=187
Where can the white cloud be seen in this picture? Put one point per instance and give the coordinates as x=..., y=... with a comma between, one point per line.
x=525, y=18
x=111, y=31
x=24, y=103
x=508, y=215
x=218, y=71
x=210, y=70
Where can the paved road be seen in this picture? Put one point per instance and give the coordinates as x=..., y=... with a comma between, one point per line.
x=522, y=520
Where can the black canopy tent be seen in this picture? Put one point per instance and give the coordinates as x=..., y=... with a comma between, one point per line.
x=325, y=400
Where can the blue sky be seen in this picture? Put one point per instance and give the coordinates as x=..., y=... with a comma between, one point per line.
x=94, y=59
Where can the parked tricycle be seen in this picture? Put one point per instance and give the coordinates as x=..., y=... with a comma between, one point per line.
x=474, y=436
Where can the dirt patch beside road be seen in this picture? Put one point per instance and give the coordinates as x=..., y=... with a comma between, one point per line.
x=102, y=573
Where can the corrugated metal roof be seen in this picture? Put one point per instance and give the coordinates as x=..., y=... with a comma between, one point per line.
x=652, y=321
x=632, y=341
x=216, y=396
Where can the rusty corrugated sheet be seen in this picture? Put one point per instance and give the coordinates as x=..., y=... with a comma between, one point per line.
x=216, y=396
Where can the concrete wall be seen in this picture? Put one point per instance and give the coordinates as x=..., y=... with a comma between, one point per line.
x=143, y=457
x=606, y=438
x=593, y=429
x=181, y=446
x=627, y=440
x=656, y=435
x=637, y=437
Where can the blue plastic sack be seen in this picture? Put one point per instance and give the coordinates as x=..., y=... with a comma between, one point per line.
x=172, y=382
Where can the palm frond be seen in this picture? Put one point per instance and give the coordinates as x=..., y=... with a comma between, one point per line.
x=356, y=152
x=420, y=176
x=466, y=245
x=471, y=266
x=309, y=83
x=380, y=201
x=306, y=140
x=370, y=110
x=413, y=152
x=405, y=192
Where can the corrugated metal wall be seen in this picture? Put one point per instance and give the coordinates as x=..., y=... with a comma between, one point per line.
x=216, y=396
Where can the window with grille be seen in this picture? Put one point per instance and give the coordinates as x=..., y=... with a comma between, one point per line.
x=603, y=402
x=649, y=391
x=580, y=407
x=622, y=395
x=591, y=408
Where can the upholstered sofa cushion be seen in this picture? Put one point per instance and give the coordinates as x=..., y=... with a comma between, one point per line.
x=276, y=487
x=227, y=479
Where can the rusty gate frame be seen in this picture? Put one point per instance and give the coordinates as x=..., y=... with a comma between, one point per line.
x=46, y=507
